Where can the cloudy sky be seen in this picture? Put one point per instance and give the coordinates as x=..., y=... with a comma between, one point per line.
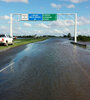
x=63, y=25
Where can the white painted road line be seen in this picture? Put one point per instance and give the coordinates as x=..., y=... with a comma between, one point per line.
x=7, y=67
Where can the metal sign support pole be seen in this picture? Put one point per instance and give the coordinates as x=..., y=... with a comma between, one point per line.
x=11, y=27
x=11, y=23
x=75, y=24
x=75, y=33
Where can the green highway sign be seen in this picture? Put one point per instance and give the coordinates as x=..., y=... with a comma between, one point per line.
x=49, y=17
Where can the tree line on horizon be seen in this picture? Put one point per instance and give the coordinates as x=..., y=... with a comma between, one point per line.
x=80, y=37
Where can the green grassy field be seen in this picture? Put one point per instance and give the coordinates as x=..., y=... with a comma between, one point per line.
x=19, y=42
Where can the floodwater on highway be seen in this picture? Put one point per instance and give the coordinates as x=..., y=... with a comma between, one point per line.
x=52, y=69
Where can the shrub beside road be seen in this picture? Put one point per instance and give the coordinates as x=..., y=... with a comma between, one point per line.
x=84, y=38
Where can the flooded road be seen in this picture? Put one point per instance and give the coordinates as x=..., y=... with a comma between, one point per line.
x=52, y=69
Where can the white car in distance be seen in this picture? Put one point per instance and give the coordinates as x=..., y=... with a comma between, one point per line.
x=5, y=39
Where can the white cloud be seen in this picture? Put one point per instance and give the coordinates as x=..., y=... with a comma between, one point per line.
x=8, y=1
x=42, y=25
x=4, y=17
x=88, y=7
x=19, y=28
x=58, y=6
x=27, y=25
x=83, y=20
x=62, y=23
x=70, y=6
x=75, y=1
x=84, y=32
x=57, y=31
x=78, y=1
x=4, y=29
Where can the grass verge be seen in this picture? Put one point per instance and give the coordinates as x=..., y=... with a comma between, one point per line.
x=19, y=42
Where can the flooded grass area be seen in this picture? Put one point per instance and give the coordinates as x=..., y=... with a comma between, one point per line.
x=19, y=42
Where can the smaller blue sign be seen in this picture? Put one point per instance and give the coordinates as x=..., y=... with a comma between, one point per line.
x=35, y=17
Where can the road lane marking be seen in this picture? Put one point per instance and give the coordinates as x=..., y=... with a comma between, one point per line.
x=7, y=67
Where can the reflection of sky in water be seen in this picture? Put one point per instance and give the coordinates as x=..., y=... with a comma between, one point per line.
x=32, y=49
x=88, y=47
x=26, y=52
x=18, y=57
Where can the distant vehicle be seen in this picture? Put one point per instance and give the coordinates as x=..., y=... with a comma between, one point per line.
x=14, y=37
x=5, y=39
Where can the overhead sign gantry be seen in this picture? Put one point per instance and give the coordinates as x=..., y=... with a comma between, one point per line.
x=43, y=17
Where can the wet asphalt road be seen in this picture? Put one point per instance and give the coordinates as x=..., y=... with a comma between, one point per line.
x=52, y=69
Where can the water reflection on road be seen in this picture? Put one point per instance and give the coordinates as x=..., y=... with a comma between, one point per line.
x=52, y=69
